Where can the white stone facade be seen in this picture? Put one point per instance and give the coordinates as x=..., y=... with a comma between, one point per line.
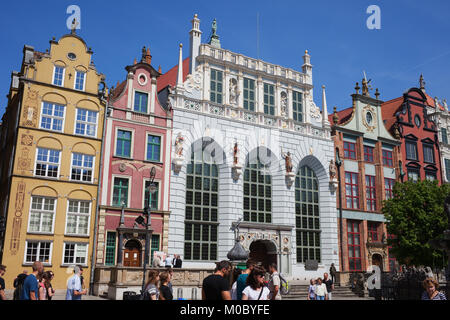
x=309, y=143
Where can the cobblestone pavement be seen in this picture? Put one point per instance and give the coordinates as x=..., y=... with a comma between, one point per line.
x=59, y=295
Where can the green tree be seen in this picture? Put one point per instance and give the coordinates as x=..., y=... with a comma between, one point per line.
x=414, y=216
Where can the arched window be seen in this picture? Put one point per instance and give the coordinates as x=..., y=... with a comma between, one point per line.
x=202, y=197
x=307, y=215
x=257, y=188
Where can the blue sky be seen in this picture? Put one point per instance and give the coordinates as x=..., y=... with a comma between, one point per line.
x=413, y=38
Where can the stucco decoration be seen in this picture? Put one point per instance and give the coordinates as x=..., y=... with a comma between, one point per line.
x=193, y=85
x=26, y=140
x=17, y=221
x=30, y=111
x=24, y=159
x=314, y=110
x=369, y=118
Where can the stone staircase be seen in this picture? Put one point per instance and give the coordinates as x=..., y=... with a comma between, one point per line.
x=300, y=292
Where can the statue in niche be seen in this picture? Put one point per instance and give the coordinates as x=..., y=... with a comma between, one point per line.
x=179, y=145
x=333, y=170
x=235, y=154
x=234, y=91
x=288, y=161
x=283, y=109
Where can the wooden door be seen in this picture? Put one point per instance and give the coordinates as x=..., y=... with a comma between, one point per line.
x=132, y=255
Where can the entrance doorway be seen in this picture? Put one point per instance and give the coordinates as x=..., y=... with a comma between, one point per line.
x=132, y=254
x=377, y=260
x=263, y=252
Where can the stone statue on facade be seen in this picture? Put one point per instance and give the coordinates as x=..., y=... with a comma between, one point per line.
x=366, y=87
x=333, y=170
x=236, y=168
x=178, y=158
x=283, y=109
x=234, y=91
x=288, y=161
x=179, y=145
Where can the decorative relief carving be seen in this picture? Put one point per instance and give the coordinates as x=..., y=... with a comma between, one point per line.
x=30, y=110
x=192, y=105
x=314, y=111
x=26, y=140
x=193, y=82
x=369, y=118
x=122, y=167
x=17, y=221
x=24, y=159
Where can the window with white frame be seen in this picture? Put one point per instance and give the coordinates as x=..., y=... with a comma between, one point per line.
x=58, y=76
x=38, y=251
x=42, y=214
x=80, y=78
x=78, y=213
x=82, y=166
x=86, y=122
x=47, y=162
x=52, y=117
x=75, y=253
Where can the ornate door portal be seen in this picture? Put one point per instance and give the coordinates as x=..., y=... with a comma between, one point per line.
x=132, y=254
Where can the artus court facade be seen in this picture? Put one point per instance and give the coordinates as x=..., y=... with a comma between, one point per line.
x=249, y=144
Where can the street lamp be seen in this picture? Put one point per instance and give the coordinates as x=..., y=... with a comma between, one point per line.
x=145, y=221
x=338, y=163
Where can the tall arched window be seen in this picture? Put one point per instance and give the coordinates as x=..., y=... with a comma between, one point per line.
x=257, y=189
x=307, y=215
x=202, y=196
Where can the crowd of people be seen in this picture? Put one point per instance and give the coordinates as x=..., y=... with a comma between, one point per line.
x=248, y=284
x=321, y=289
x=38, y=284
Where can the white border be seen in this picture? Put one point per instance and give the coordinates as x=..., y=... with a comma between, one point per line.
x=54, y=216
x=75, y=123
x=130, y=180
x=38, y=241
x=63, y=76
x=75, y=253
x=63, y=119
x=161, y=145
x=132, y=130
x=71, y=167
x=75, y=80
x=158, y=189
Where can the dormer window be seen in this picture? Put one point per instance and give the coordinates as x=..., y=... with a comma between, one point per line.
x=58, y=76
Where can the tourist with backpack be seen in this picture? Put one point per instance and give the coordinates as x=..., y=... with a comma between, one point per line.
x=274, y=282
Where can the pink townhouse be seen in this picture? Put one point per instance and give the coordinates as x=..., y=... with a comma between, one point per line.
x=137, y=144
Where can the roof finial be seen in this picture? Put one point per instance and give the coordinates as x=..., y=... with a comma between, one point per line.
x=357, y=88
x=422, y=83
x=159, y=69
x=335, y=116
x=377, y=93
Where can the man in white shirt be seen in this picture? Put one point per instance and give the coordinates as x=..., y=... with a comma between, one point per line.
x=74, y=290
x=168, y=262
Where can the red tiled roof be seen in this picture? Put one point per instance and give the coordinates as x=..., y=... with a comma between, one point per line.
x=118, y=90
x=430, y=102
x=170, y=77
x=388, y=110
x=343, y=115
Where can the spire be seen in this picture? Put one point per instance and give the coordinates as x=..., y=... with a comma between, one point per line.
x=422, y=83
x=214, y=40
x=159, y=69
x=307, y=67
x=325, y=121
x=335, y=116
x=180, y=68
x=195, y=41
